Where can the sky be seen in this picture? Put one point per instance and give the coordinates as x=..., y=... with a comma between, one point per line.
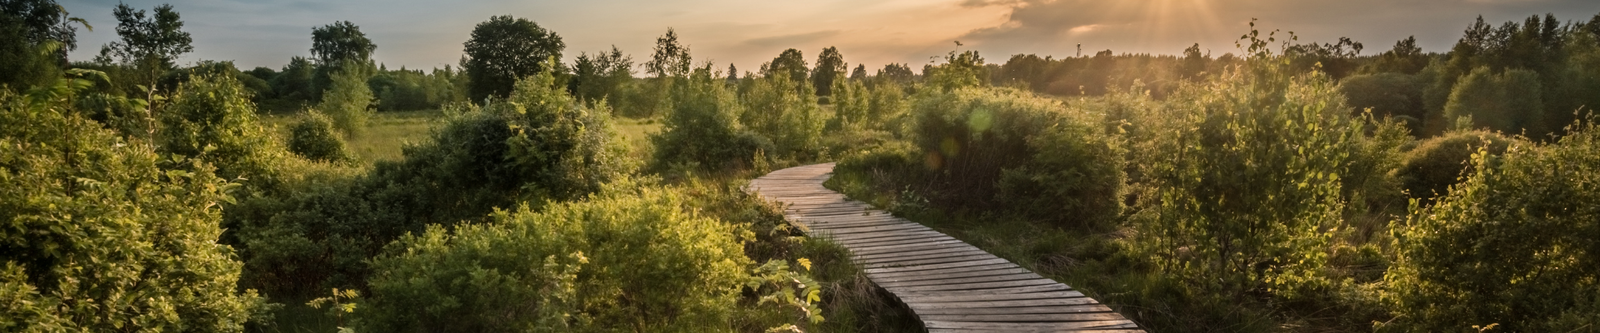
x=428, y=34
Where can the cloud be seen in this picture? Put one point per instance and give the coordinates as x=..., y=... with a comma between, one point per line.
x=1167, y=26
x=800, y=38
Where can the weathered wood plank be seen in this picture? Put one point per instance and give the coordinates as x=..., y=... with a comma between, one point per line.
x=950, y=285
x=935, y=324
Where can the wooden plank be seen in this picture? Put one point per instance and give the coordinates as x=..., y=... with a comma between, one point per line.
x=990, y=278
x=905, y=257
x=950, y=285
x=973, y=286
x=923, y=259
x=1030, y=317
x=922, y=251
x=969, y=330
x=1012, y=290
x=950, y=275
x=910, y=268
x=1004, y=304
x=991, y=297
x=905, y=247
x=894, y=273
x=936, y=324
x=1020, y=310
x=940, y=261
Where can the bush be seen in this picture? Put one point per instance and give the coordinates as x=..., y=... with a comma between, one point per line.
x=349, y=100
x=785, y=112
x=629, y=261
x=1388, y=95
x=1075, y=176
x=98, y=237
x=538, y=145
x=1252, y=179
x=313, y=138
x=211, y=118
x=1514, y=244
x=1436, y=163
x=703, y=127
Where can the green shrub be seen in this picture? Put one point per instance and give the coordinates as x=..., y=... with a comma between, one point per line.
x=313, y=138
x=1514, y=244
x=98, y=237
x=1387, y=95
x=703, y=128
x=786, y=113
x=1434, y=164
x=1252, y=179
x=1075, y=176
x=635, y=261
x=211, y=118
x=349, y=100
x=535, y=146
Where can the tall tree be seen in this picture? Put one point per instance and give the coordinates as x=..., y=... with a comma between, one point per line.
x=860, y=73
x=335, y=45
x=599, y=76
x=671, y=58
x=791, y=62
x=830, y=65
x=25, y=26
x=504, y=49
x=149, y=44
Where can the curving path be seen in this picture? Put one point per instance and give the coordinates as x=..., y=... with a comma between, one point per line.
x=950, y=285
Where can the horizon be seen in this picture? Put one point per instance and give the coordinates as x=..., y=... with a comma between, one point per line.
x=409, y=34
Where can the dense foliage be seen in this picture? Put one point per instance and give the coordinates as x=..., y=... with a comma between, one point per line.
x=314, y=138
x=1514, y=244
x=505, y=49
x=100, y=235
x=632, y=261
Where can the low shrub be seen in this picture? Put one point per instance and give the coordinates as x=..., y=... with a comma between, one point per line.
x=1514, y=244
x=314, y=138
x=703, y=127
x=1436, y=163
x=635, y=261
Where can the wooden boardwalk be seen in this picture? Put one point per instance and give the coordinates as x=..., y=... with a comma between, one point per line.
x=950, y=285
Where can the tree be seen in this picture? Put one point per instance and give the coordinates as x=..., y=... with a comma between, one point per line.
x=669, y=64
x=858, y=74
x=896, y=72
x=505, y=49
x=332, y=46
x=42, y=20
x=294, y=82
x=349, y=98
x=1194, y=62
x=599, y=77
x=830, y=65
x=1405, y=58
x=27, y=27
x=149, y=44
x=671, y=58
x=1507, y=102
x=790, y=62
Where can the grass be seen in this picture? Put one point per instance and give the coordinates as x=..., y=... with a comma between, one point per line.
x=385, y=135
x=636, y=134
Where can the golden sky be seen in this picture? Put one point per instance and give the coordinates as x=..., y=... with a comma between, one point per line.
x=418, y=33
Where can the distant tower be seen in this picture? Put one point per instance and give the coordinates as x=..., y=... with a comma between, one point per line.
x=1080, y=50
